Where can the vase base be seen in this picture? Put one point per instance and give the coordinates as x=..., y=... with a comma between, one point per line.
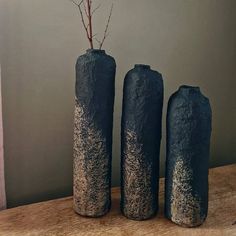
x=89, y=215
x=188, y=225
x=142, y=218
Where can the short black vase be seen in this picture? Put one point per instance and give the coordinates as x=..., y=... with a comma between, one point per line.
x=188, y=143
x=95, y=83
x=140, y=142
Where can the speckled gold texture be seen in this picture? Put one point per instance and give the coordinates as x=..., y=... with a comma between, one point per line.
x=139, y=202
x=187, y=156
x=94, y=96
x=91, y=167
x=140, y=142
x=185, y=206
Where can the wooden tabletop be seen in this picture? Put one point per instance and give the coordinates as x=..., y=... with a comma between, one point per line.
x=57, y=217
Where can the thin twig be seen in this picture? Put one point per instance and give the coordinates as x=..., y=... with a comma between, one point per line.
x=81, y=13
x=88, y=33
x=89, y=5
x=106, y=29
x=95, y=9
x=99, y=42
x=77, y=4
x=85, y=10
x=89, y=11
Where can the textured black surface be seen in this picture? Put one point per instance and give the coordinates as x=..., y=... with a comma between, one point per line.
x=188, y=144
x=95, y=83
x=140, y=142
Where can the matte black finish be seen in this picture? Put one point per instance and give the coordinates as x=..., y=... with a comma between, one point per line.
x=188, y=145
x=140, y=142
x=95, y=87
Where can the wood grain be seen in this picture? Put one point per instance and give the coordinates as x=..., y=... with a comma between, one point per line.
x=58, y=218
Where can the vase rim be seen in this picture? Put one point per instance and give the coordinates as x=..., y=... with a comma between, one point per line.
x=187, y=89
x=142, y=66
x=95, y=50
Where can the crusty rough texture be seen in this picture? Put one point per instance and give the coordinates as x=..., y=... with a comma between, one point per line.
x=188, y=146
x=139, y=202
x=91, y=165
x=185, y=206
x=140, y=142
x=95, y=80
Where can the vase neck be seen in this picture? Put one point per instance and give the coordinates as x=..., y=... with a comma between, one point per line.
x=142, y=66
x=187, y=90
x=95, y=51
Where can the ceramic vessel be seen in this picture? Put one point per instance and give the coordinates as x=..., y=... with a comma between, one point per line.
x=140, y=142
x=188, y=145
x=95, y=83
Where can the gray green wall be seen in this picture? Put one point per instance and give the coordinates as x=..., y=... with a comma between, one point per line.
x=188, y=41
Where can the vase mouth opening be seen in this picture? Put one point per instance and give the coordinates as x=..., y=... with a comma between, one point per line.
x=90, y=50
x=189, y=89
x=143, y=66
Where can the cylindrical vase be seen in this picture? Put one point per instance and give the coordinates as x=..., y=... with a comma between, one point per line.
x=95, y=83
x=188, y=145
x=140, y=142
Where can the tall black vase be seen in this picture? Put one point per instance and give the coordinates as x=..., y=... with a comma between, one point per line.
x=95, y=79
x=140, y=142
x=188, y=144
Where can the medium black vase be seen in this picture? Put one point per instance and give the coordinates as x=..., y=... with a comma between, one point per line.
x=95, y=79
x=188, y=144
x=140, y=142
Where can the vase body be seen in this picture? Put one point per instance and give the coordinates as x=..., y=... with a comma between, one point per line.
x=140, y=142
x=95, y=83
x=188, y=145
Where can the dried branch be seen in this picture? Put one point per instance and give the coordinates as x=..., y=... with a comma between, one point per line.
x=85, y=10
x=81, y=14
x=88, y=27
x=95, y=9
x=89, y=5
x=77, y=4
x=106, y=29
x=87, y=24
x=99, y=42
